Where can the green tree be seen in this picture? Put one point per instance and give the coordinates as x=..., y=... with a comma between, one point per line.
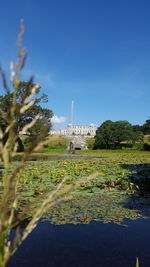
x=104, y=135
x=137, y=128
x=111, y=135
x=123, y=132
x=146, y=127
x=22, y=93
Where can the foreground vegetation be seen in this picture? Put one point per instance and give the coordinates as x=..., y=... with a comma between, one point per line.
x=13, y=208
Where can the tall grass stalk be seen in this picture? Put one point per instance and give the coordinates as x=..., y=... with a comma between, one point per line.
x=9, y=197
x=137, y=262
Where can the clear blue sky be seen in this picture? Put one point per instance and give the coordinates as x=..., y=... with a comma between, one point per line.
x=95, y=52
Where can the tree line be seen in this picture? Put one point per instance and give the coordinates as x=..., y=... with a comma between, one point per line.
x=122, y=134
x=109, y=135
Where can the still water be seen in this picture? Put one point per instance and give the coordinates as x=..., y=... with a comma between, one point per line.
x=86, y=245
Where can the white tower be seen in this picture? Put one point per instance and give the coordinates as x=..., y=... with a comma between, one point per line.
x=72, y=110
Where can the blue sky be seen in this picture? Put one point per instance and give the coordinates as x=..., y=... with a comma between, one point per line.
x=95, y=52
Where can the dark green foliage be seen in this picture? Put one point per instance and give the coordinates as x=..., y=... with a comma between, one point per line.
x=43, y=123
x=146, y=127
x=115, y=135
x=104, y=135
x=146, y=147
x=137, y=128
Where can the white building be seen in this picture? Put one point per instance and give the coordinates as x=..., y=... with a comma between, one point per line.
x=81, y=129
x=86, y=130
x=59, y=132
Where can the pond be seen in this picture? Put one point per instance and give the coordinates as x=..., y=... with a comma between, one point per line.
x=107, y=223
x=109, y=229
x=94, y=244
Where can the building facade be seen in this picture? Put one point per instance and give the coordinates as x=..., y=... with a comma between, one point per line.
x=81, y=129
x=85, y=130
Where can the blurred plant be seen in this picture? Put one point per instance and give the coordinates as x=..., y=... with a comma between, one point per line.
x=90, y=143
x=137, y=262
x=9, y=197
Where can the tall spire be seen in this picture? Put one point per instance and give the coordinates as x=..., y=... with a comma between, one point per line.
x=72, y=110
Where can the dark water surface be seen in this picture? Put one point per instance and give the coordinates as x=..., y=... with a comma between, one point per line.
x=63, y=156
x=86, y=245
